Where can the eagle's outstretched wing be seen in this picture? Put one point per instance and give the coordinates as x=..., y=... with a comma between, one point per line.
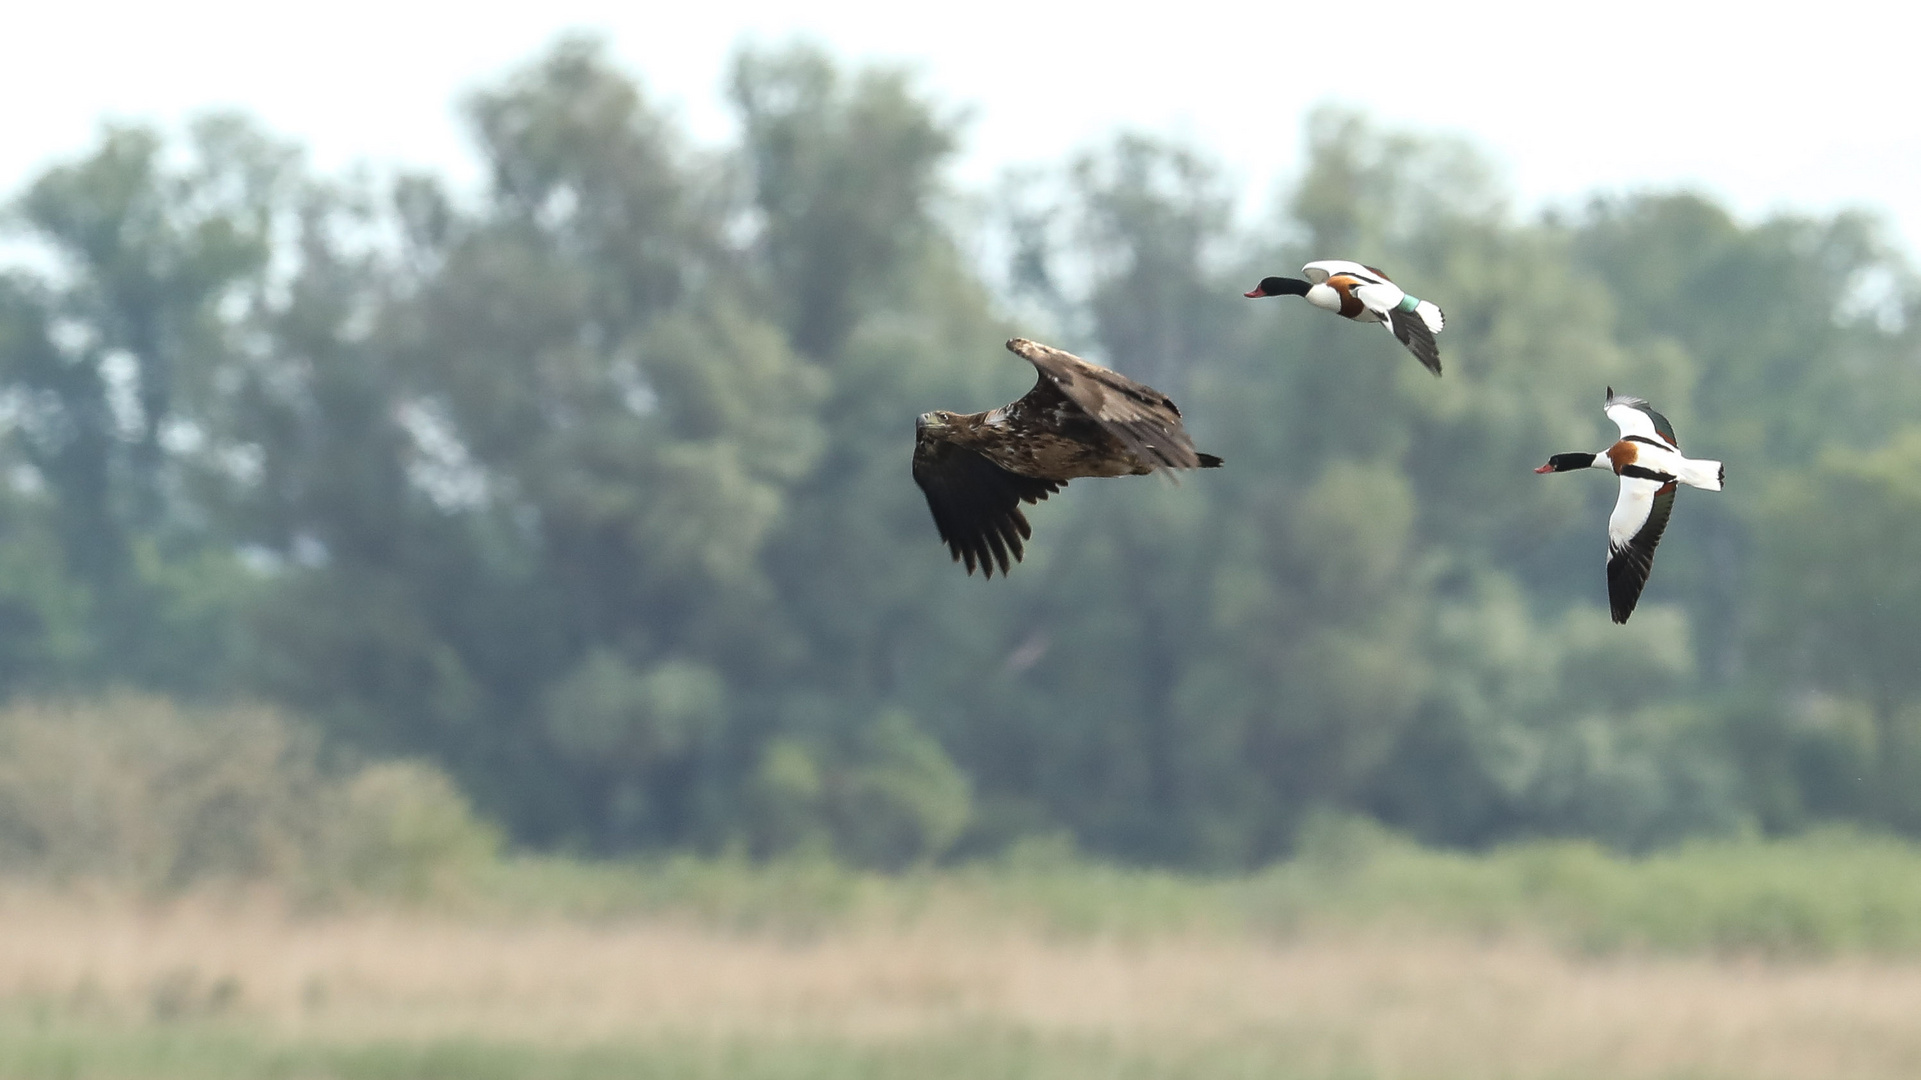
x=1141, y=417
x=976, y=503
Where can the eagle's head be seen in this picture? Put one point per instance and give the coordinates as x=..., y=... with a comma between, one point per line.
x=933, y=422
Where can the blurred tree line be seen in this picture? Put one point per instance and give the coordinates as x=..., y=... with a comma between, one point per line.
x=592, y=485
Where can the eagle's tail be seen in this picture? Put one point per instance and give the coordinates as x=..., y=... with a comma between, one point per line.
x=1209, y=461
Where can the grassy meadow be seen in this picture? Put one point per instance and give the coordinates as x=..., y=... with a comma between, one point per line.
x=1364, y=957
x=209, y=894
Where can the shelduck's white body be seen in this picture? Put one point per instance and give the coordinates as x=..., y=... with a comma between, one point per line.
x=1364, y=294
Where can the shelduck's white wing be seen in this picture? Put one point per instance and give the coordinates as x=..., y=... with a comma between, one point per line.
x=1322, y=269
x=1379, y=297
x=1634, y=416
x=1640, y=517
x=1384, y=299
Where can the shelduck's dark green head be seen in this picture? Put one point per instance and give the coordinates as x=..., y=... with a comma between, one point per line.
x=1567, y=463
x=1279, y=286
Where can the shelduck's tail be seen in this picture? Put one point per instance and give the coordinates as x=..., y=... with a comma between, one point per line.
x=1430, y=314
x=1706, y=475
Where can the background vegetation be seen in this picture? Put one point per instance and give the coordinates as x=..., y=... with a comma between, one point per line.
x=590, y=489
x=454, y=633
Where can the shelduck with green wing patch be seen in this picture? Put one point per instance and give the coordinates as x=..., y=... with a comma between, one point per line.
x=1364, y=294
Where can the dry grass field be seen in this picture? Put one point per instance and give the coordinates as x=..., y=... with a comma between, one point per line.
x=198, y=899
x=241, y=986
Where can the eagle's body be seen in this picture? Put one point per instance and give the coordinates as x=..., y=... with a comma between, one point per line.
x=1050, y=437
x=1080, y=419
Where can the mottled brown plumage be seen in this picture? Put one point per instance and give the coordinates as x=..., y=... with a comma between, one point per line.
x=1080, y=419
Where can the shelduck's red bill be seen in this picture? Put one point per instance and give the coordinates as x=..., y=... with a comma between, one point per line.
x=1549, y=467
x=1256, y=294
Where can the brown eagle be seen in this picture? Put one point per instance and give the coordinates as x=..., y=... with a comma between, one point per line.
x=1079, y=420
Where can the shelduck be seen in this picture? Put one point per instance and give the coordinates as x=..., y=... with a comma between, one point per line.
x=1364, y=294
x=1649, y=462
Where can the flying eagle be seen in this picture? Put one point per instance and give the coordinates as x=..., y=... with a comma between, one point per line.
x=1079, y=420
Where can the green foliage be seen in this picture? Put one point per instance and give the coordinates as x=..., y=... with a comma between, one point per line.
x=591, y=487
x=1151, y=215
x=44, y=625
x=786, y=797
x=1840, y=539
x=843, y=170
x=122, y=353
x=607, y=712
x=1826, y=893
x=892, y=799
x=903, y=801
x=1843, y=543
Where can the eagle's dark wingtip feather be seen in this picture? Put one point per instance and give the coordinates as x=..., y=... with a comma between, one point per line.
x=996, y=550
x=1010, y=536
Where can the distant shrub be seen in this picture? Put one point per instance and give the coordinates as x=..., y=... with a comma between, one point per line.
x=784, y=799
x=891, y=800
x=904, y=802
x=1823, y=893
x=409, y=832
x=610, y=714
x=138, y=791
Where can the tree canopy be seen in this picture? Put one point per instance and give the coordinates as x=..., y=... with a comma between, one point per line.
x=592, y=484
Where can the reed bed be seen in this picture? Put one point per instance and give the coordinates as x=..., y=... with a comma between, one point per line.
x=245, y=985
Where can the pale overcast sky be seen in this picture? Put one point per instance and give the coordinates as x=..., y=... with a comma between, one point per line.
x=1766, y=106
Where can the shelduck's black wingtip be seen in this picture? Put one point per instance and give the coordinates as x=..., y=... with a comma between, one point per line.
x=1414, y=333
x=1620, y=607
